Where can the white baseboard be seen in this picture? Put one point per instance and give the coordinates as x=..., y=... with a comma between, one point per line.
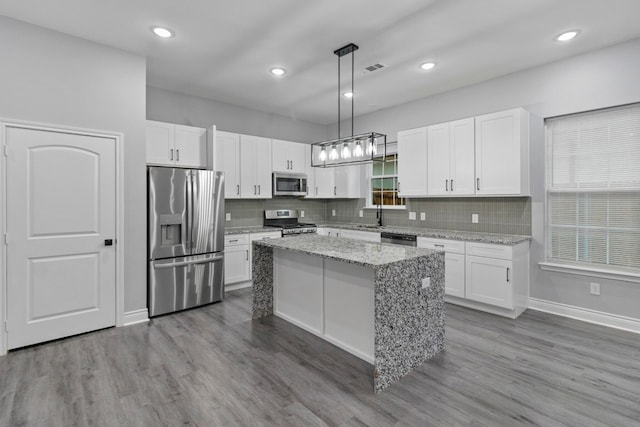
x=586, y=315
x=136, y=316
x=236, y=286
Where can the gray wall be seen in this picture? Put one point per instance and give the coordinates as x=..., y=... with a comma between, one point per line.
x=173, y=107
x=599, y=79
x=53, y=78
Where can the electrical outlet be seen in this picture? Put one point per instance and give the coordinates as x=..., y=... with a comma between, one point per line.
x=301, y=214
x=361, y=213
x=227, y=216
x=474, y=218
x=412, y=216
x=333, y=212
x=594, y=288
x=426, y=282
x=423, y=216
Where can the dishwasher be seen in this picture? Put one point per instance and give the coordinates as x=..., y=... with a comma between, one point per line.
x=399, y=239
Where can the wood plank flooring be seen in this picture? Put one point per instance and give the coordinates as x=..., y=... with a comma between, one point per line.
x=214, y=366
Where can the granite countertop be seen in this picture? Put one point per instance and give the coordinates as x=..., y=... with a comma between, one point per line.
x=249, y=229
x=367, y=254
x=469, y=236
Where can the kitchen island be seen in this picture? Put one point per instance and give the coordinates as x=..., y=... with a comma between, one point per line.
x=383, y=303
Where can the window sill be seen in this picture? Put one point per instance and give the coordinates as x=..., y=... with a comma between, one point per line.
x=392, y=208
x=604, y=273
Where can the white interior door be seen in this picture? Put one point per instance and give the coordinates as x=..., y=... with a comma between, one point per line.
x=61, y=206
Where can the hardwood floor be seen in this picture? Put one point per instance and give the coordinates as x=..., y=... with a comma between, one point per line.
x=214, y=366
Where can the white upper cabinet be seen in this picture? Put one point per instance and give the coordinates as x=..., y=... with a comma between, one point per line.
x=412, y=162
x=288, y=156
x=169, y=144
x=450, y=158
x=348, y=182
x=502, y=153
x=325, y=184
x=255, y=167
x=227, y=160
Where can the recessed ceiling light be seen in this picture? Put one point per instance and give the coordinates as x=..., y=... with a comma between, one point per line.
x=277, y=71
x=165, y=33
x=566, y=36
x=427, y=65
x=348, y=94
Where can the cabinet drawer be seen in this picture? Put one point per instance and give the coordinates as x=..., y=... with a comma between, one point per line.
x=236, y=240
x=449, y=246
x=266, y=236
x=490, y=250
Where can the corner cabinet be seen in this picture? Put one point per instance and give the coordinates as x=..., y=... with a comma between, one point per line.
x=502, y=152
x=175, y=145
x=227, y=160
x=450, y=159
x=287, y=156
x=412, y=161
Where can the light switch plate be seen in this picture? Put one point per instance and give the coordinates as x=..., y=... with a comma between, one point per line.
x=361, y=213
x=333, y=212
x=301, y=214
x=474, y=218
x=412, y=216
x=594, y=288
x=426, y=282
x=423, y=216
x=227, y=216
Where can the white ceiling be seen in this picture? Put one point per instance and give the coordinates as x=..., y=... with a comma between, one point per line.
x=223, y=50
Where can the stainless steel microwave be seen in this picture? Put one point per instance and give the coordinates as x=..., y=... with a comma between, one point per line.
x=289, y=184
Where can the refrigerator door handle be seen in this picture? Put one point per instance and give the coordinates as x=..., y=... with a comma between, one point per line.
x=189, y=211
x=183, y=263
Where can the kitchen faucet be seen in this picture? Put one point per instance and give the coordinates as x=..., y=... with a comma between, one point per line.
x=379, y=215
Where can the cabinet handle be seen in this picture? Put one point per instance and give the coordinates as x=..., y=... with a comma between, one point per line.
x=247, y=255
x=398, y=186
x=507, y=274
x=291, y=164
x=177, y=155
x=451, y=185
x=171, y=151
x=255, y=189
x=238, y=189
x=438, y=246
x=316, y=191
x=334, y=190
x=478, y=184
x=446, y=185
x=234, y=240
x=259, y=191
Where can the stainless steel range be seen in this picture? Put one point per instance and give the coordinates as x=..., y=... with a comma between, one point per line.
x=287, y=220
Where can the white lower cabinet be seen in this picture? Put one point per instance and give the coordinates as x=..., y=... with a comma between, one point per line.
x=368, y=236
x=237, y=267
x=489, y=277
x=238, y=257
x=331, y=232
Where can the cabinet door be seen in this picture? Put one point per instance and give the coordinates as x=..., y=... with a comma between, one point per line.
x=288, y=156
x=227, y=160
x=412, y=162
x=438, y=160
x=462, y=157
x=489, y=281
x=236, y=264
x=311, y=173
x=368, y=236
x=263, y=168
x=325, y=183
x=348, y=181
x=159, y=139
x=191, y=146
x=454, y=278
x=498, y=142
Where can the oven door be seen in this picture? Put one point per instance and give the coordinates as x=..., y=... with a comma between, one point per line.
x=288, y=184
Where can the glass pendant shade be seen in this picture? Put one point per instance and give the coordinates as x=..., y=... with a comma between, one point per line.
x=357, y=152
x=333, y=154
x=346, y=153
x=323, y=155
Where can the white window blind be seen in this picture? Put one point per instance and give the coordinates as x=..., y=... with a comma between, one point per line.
x=593, y=188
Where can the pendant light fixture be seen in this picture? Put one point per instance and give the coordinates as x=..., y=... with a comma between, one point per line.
x=348, y=149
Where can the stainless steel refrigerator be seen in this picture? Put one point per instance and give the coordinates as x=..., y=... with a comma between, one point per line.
x=186, y=238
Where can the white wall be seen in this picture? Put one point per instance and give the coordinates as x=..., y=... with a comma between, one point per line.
x=49, y=77
x=599, y=79
x=174, y=107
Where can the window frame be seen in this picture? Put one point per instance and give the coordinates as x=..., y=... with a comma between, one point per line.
x=392, y=149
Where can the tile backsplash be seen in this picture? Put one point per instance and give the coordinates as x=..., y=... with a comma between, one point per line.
x=507, y=215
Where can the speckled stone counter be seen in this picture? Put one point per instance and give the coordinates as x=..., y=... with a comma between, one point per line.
x=249, y=229
x=408, y=320
x=469, y=236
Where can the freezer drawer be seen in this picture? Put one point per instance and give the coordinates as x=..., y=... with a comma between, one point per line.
x=185, y=282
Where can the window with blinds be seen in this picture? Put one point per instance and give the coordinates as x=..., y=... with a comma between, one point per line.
x=593, y=188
